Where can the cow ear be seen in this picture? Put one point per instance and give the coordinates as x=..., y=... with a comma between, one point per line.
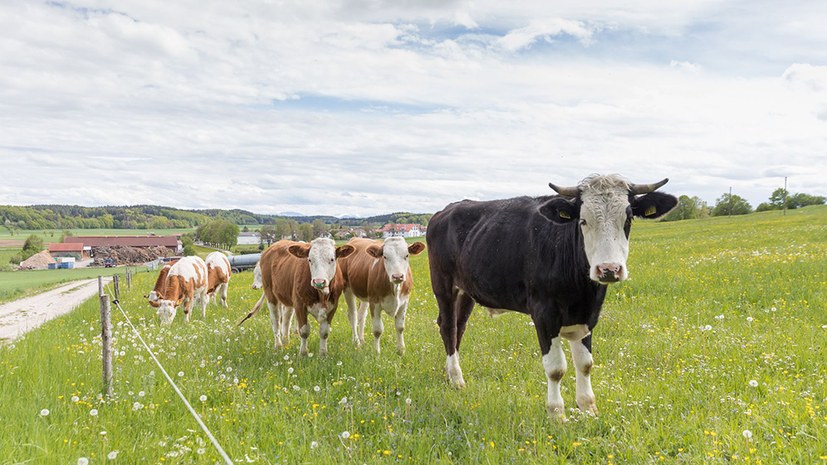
x=301, y=251
x=559, y=210
x=374, y=251
x=344, y=250
x=653, y=205
x=416, y=248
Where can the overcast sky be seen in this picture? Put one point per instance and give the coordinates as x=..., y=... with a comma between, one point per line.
x=362, y=107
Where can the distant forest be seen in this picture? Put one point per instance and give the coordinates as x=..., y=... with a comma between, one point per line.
x=40, y=217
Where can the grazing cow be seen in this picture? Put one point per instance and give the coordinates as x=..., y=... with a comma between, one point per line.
x=285, y=315
x=218, y=277
x=303, y=277
x=257, y=276
x=549, y=257
x=185, y=283
x=380, y=276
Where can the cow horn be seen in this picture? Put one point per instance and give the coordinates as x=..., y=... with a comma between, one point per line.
x=646, y=188
x=567, y=191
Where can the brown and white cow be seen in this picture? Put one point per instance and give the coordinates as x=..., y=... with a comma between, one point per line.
x=379, y=275
x=184, y=282
x=303, y=277
x=218, y=277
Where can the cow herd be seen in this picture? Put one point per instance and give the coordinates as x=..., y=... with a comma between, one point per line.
x=550, y=257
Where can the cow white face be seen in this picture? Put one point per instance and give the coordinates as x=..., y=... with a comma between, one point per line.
x=166, y=311
x=152, y=297
x=321, y=255
x=603, y=207
x=395, y=253
x=605, y=220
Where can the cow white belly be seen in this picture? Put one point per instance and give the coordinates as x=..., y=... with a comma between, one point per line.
x=392, y=303
x=319, y=311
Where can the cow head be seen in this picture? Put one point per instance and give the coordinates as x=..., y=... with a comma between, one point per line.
x=166, y=311
x=603, y=207
x=395, y=252
x=321, y=255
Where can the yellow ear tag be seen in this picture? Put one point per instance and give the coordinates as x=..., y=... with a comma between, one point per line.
x=651, y=211
x=564, y=215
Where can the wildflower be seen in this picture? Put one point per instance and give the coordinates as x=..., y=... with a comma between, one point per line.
x=317, y=388
x=137, y=406
x=314, y=444
x=706, y=328
x=201, y=451
x=773, y=309
x=753, y=383
x=180, y=374
x=83, y=461
x=44, y=412
x=93, y=412
x=290, y=370
x=339, y=363
x=112, y=455
x=345, y=434
x=747, y=434
x=75, y=398
x=141, y=393
x=749, y=319
x=719, y=317
x=287, y=357
x=296, y=388
x=203, y=398
x=103, y=433
x=408, y=401
x=229, y=369
x=343, y=401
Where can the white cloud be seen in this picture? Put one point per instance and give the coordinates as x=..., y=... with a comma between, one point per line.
x=371, y=107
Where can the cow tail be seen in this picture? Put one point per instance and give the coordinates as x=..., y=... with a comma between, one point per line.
x=255, y=310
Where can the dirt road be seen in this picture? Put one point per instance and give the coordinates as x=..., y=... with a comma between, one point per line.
x=20, y=316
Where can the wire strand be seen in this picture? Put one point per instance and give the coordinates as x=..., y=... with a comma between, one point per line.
x=174, y=386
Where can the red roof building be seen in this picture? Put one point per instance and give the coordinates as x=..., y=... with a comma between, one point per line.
x=170, y=242
x=73, y=249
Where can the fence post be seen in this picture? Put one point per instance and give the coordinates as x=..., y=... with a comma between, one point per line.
x=117, y=288
x=106, y=342
x=100, y=286
x=128, y=279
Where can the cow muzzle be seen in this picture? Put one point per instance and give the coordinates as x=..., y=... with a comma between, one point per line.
x=397, y=278
x=609, y=272
x=318, y=283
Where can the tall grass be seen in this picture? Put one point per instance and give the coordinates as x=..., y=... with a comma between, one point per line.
x=713, y=352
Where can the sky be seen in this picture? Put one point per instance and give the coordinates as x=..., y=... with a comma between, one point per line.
x=366, y=107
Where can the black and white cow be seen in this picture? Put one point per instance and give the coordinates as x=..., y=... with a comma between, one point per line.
x=549, y=257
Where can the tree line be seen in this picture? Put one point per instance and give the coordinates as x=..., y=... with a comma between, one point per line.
x=733, y=204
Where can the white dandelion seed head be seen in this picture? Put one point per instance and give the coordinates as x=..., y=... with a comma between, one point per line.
x=314, y=444
x=93, y=412
x=408, y=401
x=345, y=434
x=75, y=398
x=343, y=401
x=44, y=412
x=773, y=309
x=753, y=383
x=201, y=451
x=296, y=388
x=287, y=357
x=203, y=398
x=83, y=461
x=290, y=370
x=141, y=393
x=137, y=406
x=749, y=319
x=180, y=374
x=706, y=328
x=747, y=434
x=339, y=363
x=317, y=388
x=112, y=455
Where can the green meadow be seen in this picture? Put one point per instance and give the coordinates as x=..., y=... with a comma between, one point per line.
x=715, y=351
x=16, y=284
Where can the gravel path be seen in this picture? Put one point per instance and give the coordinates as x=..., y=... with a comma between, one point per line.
x=26, y=314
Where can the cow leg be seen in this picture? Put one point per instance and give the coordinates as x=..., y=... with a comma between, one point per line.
x=554, y=361
x=203, y=299
x=275, y=316
x=187, y=304
x=304, y=329
x=400, y=327
x=285, y=321
x=583, y=361
x=223, y=294
x=378, y=326
x=324, y=332
x=352, y=316
x=363, y=316
x=453, y=308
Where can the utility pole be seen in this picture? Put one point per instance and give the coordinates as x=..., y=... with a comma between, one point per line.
x=785, y=195
x=730, y=200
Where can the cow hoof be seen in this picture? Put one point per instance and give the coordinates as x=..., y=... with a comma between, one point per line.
x=557, y=412
x=400, y=350
x=457, y=383
x=587, y=406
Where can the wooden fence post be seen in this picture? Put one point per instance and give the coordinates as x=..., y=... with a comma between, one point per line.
x=117, y=288
x=100, y=286
x=106, y=342
x=128, y=279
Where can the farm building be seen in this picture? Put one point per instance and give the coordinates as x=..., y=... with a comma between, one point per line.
x=76, y=250
x=249, y=238
x=404, y=230
x=170, y=242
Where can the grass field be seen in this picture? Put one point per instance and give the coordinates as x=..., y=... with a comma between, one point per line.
x=15, y=284
x=715, y=351
x=54, y=235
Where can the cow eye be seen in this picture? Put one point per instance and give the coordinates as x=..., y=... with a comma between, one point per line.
x=582, y=222
x=406, y=257
x=332, y=260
